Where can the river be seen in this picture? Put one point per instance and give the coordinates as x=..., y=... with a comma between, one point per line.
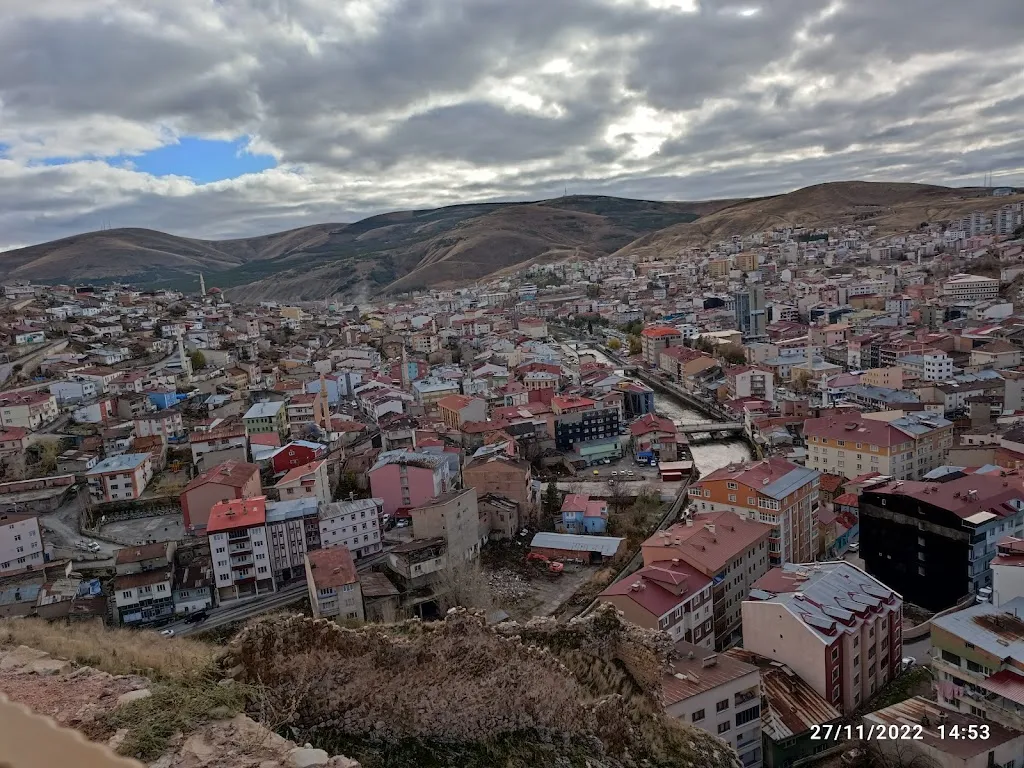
x=708, y=456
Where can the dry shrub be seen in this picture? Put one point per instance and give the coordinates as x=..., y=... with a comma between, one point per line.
x=117, y=651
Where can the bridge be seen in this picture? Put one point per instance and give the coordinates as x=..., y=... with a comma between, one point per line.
x=710, y=426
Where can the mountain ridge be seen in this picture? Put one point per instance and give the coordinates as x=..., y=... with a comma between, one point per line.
x=399, y=251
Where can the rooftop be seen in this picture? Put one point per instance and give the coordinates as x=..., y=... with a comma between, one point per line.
x=827, y=597
x=661, y=587
x=774, y=477
x=606, y=546
x=264, y=410
x=997, y=631
x=332, y=567
x=698, y=670
x=230, y=472
x=709, y=543
x=138, y=554
x=126, y=462
x=974, y=498
x=237, y=513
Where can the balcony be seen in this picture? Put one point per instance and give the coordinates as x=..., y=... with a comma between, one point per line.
x=242, y=546
x=744, y=696
x=241, y=561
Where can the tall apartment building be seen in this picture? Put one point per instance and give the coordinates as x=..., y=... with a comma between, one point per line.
x=655, y=340
x=355, y=525
x=21, y=543
x=934, y=540
x=673, y=597
x=455, y=517
x=751, y=311
x=730, y=550
x=586, y=427
x=119, y=478
x=404, y=479
x=834, y=625
x=718, y=693
x=144, y=585
x=901, y=445
x=293, y=529
x=773, y=491
x=240, y=548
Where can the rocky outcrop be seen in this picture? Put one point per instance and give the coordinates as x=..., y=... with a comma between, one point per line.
x=585, y=692
x=82, y=697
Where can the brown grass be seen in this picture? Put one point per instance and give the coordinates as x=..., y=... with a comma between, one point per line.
x=117, y=651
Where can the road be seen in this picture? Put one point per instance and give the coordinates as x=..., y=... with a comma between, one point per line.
x=63, y=533
x=240, y=610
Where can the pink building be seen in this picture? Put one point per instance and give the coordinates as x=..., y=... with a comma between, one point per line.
x=225, y=482
x=409, y=479
x=308, y=480
x=837, y=627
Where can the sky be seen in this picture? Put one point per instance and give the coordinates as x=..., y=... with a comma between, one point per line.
x=230, y=118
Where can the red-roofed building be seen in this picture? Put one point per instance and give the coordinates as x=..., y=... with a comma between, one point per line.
x=333, y=584
x=296, y=454
x=657, y=339
x=670, y=596
x=13, y=441
x=240, y=548
x=227, y=481
x=562, y=404
x=657, y=435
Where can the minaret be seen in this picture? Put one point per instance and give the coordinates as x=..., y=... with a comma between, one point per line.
x=202, y=286
x=186, y=362
x=325, y=409
x=406, y=383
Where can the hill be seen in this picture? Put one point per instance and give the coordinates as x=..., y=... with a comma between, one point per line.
x=389, y=252
x=891, y=208
x=406, y=250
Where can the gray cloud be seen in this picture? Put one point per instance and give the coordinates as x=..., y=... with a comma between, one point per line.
x=372, y=106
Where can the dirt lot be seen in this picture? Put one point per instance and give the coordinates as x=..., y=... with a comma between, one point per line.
x=147, y=529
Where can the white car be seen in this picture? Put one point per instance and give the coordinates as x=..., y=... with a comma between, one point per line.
x=907, y=663
x=167, y=632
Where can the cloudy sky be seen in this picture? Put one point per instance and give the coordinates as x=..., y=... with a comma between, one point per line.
x=220, y=118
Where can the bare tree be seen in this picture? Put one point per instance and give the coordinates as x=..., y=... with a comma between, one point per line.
x=463, y=584
x=894, y=754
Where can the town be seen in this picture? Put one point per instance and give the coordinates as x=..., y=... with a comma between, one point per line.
x=798, y=454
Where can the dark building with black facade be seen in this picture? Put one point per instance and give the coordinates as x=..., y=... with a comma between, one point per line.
x=584, y=425
x=933, y=541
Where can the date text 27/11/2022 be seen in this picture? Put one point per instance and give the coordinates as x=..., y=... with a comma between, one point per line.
x=907, y=732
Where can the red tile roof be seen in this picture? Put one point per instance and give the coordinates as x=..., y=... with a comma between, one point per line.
x=660, y=587
x=299, y=472
x=231, y=472
x=332, y=567
x=237, y=513
x=660, y=331
x=651, y=422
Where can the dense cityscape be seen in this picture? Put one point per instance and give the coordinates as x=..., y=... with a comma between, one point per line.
x=795, y=456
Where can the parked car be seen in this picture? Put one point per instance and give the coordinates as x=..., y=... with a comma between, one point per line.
x=855, y=547
x=403, y=522
x=167, y=632
x=197, y=617
x=984, y=595
x=907, y=663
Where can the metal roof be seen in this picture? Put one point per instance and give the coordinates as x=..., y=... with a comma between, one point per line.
x=790, y=482
x=604, y=545
x=998, y=631
x=292, y=509
x=122, y=463
x=264, y=410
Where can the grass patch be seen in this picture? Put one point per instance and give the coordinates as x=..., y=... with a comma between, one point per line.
x=913, y=682
x=117, y=651
x=178, y=706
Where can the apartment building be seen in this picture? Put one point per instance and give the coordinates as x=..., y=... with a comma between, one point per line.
x=240, y=548
x=229, y=480
x=355, y=525
x=404, y=479
x=309, y=480
x=30, y=410
x=750, y=381
x=586, y=427
x=971, y=288
x=144, y=585
x=501, y=474
x=655, y=340
x=773, y=491
x=266, y=417
x=719, y=694
x=902, y=445
x=454, y=516
x=670, y=596
x=21, y=543
x=119, y=478
x=655, y=437
x=729, y=549
x=933, y=365
x=304, y=413
x=293, y=529
x=978, y=662
x=456, y=410
x=166, y=424
x=217, y=445
x=333, y=584
x=934, y=540
x=685, y=365
x=834, y=625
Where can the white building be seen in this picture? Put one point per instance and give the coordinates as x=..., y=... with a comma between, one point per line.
x=352, y=524
x=21, y=543
x=970, y=288
x=240, y=548
x=718, y=694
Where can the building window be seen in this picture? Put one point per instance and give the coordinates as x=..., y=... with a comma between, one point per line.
x=950, y=658
x=723, y=727
x=722, y=705
x=697, y=716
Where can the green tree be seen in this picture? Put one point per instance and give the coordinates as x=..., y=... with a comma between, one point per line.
x=198, y=359
x=552, y=502
x=614, y=344
x=635, y=347
x=733, y=353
